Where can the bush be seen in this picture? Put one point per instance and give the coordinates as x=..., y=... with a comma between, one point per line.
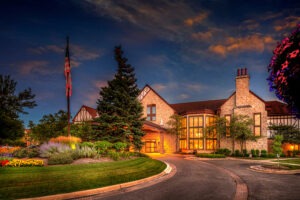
x=237, y=153
x=9, y=142
x=139, y=154
x=50, y=148
x=263, y=153
x=8, y=151
x=245, y=153
x=271, y=155
x=113, y=155
x=253, y=152
x=257, y=152
x=66, y=139
x=60, y=158
x=210, y=155
x=26, y=153
x=120, y=146
x=224, y=151
x=86, y=144
x=102, y=146
x=87, y=152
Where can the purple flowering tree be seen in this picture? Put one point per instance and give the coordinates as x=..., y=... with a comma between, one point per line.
x=284, y=70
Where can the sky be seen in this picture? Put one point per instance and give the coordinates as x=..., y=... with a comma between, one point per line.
x=185, y=50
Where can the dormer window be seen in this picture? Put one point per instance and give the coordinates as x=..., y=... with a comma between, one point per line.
x=151, y=112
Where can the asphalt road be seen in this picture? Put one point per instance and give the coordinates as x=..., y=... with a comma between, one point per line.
x=193, y=180
x=197, y=179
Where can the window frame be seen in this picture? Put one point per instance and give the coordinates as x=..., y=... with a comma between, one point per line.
x=256, y=126
x=152, y=115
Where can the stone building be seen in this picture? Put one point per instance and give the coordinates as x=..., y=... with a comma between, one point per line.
x=196, y=116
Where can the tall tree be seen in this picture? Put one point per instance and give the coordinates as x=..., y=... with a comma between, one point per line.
x=11, y=106
x=290, y=133
x=119, y=109
x=219, y=127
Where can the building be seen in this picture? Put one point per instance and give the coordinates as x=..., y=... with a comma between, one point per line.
x=196, y=116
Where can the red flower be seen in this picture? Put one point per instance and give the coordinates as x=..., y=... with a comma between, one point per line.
x=4, y=162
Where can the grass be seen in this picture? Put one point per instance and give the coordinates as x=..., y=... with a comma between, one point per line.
x=292, y=161
x=26, y=182
x=210, y=155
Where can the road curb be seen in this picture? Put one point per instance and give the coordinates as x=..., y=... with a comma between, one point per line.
x=259, y=168
x=98, y=191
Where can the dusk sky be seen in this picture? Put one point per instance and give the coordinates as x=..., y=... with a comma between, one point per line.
x=185, y=50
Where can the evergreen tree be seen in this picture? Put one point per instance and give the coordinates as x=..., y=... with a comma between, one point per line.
x=11, y=105
x=119, y=109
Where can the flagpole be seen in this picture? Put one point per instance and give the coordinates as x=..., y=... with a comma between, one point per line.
x=68, y=82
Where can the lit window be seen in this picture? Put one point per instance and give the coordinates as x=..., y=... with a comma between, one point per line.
x=196, y=132
x=257, y=124
x=151, y=112
x=228, y=120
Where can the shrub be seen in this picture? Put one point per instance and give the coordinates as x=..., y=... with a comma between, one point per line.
x=253, y=152
x=245, y=153
x=237, y=153
x=271, y=155
x=26, y=153
x=60, y=158
x=263, y=153
x=120, y=146
x=139, y=154
x=224, y=151
x=113, y=155
x=210, y=155
x=87, y=152
x=50, y=148
x=257, y=152
x=10, y=142
x=25, y=163
x=102, y=147
x=86, y=144
x=66, y=139
x=8, y=151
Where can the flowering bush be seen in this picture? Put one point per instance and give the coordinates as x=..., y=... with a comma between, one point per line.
x=284, y=70
x=66, y=139
x=50, y=148
x=24, y=163
x=3, y=162
x=7, y=150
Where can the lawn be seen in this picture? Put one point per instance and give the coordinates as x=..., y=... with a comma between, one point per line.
x=28, y=182
x=292, y=161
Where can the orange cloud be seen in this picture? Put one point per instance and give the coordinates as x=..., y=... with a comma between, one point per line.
x=203, y=36
x=287, y=24
x=196, y=20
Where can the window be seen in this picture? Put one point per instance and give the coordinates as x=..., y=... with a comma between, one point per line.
x=151, y=112
x=257, y=124
x=228, y=120
x=182, y=135
x=150, y=146
x=196, y=132
x=211, y=136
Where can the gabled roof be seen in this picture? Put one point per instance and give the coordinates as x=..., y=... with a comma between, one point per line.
x=93, y=112
x=277, y=108
x=209, y=107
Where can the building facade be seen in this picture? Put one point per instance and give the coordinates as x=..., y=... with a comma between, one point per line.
x=196, y=116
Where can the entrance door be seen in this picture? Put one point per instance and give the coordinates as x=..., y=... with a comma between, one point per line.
x=150, y=146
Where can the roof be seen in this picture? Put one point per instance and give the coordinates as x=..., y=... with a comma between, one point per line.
x=93, y=112
x=277, y=108
x=209, y=107
x=151, y=124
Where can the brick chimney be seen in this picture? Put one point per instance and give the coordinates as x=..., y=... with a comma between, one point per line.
x=242, y=87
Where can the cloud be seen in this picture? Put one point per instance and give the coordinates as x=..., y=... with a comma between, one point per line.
x=255, y=43
x=196, y=20
x=48, y=48
x=159, y=87
x=92, y=95
x=203, y=36
x=35, y=66
x=287, y=24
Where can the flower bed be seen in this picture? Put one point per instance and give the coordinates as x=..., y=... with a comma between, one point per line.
x=8, y=151
x=22, y=163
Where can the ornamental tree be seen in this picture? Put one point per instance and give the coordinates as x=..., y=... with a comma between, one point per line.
x=118, y=107
x=284, y=70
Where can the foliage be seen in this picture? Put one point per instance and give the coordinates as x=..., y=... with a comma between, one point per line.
x=277, y=149
x=32, y=182
x=26, y=153
x=119, y=109
x=290, y=133
x=86, y=144
x=210, y=155
x=284, y=70
x=60, y=158
x=175, y=125
x=87, y=152
x=241, y=126
x=84, y=131
x=102, y=146
x=66, y=139
x=11, y=105
x=9, y=142
x=7, y=150
x=49, y=126
x=219, y=126
x=120, y=146
x=224, y=151
x=25, y=163
x=237, y=153
x=263, y=153
x=50, y=148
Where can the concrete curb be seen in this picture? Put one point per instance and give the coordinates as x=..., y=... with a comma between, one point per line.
x=112, y=188
x=259, y=168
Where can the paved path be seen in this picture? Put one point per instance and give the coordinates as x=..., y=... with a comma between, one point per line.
x=193, y=180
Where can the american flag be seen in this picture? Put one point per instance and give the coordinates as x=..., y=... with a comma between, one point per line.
x=68, y=71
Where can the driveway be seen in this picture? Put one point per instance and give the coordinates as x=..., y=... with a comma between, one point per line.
x=198, y=179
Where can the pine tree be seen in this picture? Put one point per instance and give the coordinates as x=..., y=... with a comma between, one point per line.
x=119, y=109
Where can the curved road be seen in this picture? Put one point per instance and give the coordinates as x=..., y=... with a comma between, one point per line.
x=197, y=179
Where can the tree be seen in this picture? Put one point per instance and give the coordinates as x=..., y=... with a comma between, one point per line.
x=49, y=126
x=11, y=106
x=277, y=149
x=119, y=109
x=84, y=131
x=284, y=70
x=175, y=127
x=240, y=130
x=219, y=126
x=291, y=134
